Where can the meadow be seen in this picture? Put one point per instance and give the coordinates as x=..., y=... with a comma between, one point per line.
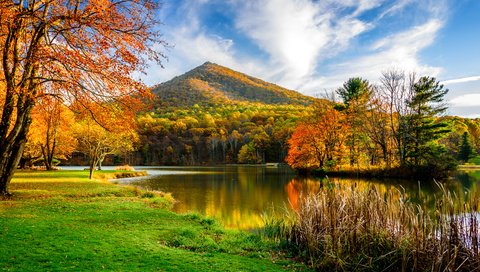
x=61, y=220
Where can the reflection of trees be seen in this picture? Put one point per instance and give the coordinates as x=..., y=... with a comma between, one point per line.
x=297, y=188
x=236, y=195
x=239, y=195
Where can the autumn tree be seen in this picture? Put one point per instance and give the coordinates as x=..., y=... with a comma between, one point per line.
x=248, y=154
x=97, y=142
x=84, y=51
x=318, y=141
x=51, y=135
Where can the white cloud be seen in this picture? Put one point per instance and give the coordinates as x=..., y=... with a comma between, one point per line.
x=399, y=50
x=461, y=80
x=298, y=34
x=468, y=100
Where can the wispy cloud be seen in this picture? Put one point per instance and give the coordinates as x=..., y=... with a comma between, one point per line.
x=468, y=100
x=300, y=38
x=298, y=35
x=399, y=50
x=461, y=80
x=395, y=7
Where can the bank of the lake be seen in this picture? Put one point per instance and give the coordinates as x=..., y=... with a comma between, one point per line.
x=423, y=173
x=60, y=220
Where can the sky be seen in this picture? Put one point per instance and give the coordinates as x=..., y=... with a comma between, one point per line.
x=313, y=46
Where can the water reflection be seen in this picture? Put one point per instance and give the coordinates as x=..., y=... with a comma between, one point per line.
x=239, y=195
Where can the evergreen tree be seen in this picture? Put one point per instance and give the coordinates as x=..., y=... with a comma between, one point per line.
x=424, y=127
x=466, y=150
x=355, y=94
x=354, y=89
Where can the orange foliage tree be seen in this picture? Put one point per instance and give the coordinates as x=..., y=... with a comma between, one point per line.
x=85, y=51
x=51, y=135
x=318, y=141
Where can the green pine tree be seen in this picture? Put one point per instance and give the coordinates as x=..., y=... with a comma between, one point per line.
x=425, y=128
x=466, y=149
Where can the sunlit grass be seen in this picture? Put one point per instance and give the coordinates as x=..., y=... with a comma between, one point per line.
x=61, y=220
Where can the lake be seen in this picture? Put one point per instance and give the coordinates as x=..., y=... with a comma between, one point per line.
x=239, y=195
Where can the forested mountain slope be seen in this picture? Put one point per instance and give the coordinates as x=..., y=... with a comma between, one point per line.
x=213, y=84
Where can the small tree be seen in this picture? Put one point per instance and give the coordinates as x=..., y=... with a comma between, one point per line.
x=318, y=141
x=96, y=142
x=465, y=149
x=248, y=154
x=51, y=136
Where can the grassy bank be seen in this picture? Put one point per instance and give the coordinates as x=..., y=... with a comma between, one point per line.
x=62, y=221
x=345, y=228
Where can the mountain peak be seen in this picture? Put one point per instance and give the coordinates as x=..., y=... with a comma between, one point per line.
x=211, y=83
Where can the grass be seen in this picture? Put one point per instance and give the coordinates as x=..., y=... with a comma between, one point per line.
x=344, y=228
x=60, y=220
x=474, y=160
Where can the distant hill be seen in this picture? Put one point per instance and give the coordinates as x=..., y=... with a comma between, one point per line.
x=212, y=84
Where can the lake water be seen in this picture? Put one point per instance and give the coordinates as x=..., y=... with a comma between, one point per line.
x=239, y=195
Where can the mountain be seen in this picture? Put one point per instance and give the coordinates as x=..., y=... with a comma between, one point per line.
x=211, y=83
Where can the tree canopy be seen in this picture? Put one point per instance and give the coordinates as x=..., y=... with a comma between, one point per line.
x=82, y=52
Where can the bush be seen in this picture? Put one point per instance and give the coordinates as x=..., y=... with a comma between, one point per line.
x=124, y=168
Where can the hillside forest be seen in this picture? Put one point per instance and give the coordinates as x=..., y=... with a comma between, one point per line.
x=214, y=115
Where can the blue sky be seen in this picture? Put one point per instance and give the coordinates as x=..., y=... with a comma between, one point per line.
x=313, y=46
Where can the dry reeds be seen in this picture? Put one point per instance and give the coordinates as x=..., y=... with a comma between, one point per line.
x=124, y=168
x=351, y=229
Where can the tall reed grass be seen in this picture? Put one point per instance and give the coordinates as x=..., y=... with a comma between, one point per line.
x=345, y=228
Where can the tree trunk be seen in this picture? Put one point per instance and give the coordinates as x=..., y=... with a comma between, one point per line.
x=12, y=146
x=93, y=165
x=46, y=161
x=100, y=162
x=8, y=164
x=11, y=153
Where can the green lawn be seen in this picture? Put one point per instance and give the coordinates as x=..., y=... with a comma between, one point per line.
x=63, y=221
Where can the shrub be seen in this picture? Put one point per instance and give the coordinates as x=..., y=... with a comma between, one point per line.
x=124, y=168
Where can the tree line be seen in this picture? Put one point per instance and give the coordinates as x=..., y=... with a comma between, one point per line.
x=397, y=125
x=376, y=127
x=214, y=134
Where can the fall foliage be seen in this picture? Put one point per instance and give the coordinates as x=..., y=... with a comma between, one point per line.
x=395, y=124
x=82, y=52
x=217, y=134
x=96, y=142
x=51, y=135
x=319, y=141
